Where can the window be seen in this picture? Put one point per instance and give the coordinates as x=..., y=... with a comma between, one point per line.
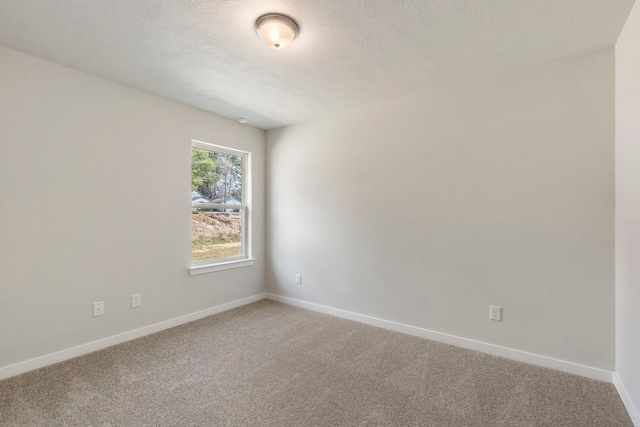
x=220, y=208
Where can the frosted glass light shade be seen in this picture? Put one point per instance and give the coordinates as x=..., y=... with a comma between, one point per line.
x=277, y=31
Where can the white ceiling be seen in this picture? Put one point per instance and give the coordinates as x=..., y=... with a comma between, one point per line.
x=349, y=53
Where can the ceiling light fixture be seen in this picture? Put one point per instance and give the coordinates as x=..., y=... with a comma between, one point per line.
x=277, y=30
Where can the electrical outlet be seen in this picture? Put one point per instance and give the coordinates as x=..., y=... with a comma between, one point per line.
x=298, y=279
x=98, y=308
x=495, y=313
x=135, y=301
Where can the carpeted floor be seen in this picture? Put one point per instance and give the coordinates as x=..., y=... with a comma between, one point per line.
x=269, y=364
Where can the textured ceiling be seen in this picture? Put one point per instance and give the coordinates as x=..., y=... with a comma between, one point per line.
x=349, y=53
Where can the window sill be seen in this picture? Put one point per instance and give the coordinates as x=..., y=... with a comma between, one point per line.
x=225, y=265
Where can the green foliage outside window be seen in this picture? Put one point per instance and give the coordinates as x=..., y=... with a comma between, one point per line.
x=217, y=176
x=202, y=169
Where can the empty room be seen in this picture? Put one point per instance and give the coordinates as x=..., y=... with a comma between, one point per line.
x=320, y=213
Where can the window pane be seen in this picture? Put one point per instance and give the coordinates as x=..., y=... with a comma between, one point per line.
x=215, y=235
x=216, y=177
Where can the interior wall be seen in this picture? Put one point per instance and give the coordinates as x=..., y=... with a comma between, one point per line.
x=628, y=210
x=95, y=206
x=427, y=209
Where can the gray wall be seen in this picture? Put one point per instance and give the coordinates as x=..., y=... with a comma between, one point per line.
x=95, y=205
x=427, y=209
x=628, y=212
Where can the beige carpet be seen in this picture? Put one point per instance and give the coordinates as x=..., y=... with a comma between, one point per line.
x=269, y=364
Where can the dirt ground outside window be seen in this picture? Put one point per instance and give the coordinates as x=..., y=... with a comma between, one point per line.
x=215, y=236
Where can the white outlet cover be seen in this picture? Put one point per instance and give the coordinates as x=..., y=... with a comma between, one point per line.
x=495, y=313
x=98, y=308
x=135, y=301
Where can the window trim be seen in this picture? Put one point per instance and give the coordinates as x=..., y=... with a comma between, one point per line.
x=246, y=258
x=228, y=264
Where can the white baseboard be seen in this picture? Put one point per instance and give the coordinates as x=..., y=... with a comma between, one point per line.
x=70, y=353
x=520, y=356
x=634, y=413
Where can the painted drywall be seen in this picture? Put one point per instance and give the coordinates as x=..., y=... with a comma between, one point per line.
x=628, y=212
x=428, y=209
x=95, y=206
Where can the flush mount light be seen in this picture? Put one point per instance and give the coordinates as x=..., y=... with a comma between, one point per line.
x=276, y=30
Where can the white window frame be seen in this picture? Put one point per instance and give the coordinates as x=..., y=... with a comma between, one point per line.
x=245, y=259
